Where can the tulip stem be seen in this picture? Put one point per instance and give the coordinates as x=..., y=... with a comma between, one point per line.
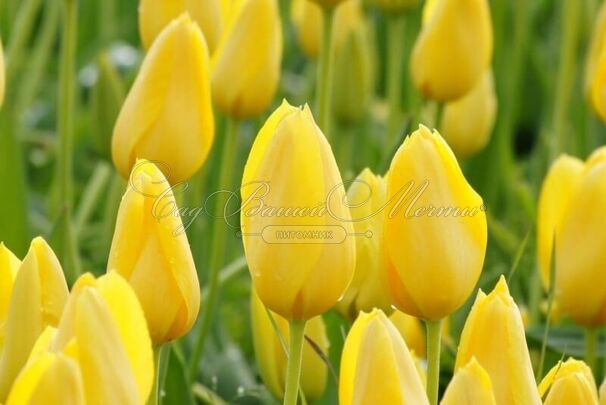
x=591, y=339
x=161, y=355
x=395, y=55
x=324, y=84
x=295, y=353
x=217, y=255
x=433, y=360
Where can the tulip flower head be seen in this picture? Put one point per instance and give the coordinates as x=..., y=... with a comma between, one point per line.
x=271, y=355
x=595, y=72
x=303, y=261
x=155, y=15
x=435, y=229
x=569, y=382
x=38, y=296
x=9, y=264
x=454, y=48
x=412, y=331
x=470, y=386
x=151, y=251
x=376, y=366
x=246, y=64
x=167, y=115
x=494, y=335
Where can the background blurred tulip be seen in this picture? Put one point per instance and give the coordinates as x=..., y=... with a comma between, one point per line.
x=412, y=331
x=556, y=191
x=494, y=335
x=468, y=122
x=150, y=249
x=569, y=382
x=9, y=264
x=292, y=161
x=596, y=64
x=366, y=197
x=246, y=64
x=376, y=367
x=271, y=354
x=469, y=386
x=155, y=15
x=453, y=49
x=435, y=238
x=37, y=300
x=167, y=115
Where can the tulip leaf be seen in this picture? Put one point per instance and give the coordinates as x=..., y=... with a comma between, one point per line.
x=566, y=340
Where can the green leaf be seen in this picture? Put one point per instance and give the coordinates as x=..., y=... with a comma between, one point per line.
x=566, y=340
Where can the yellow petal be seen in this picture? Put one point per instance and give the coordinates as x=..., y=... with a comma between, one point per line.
x=9, y=264
x=569, y=382
x=470, y=386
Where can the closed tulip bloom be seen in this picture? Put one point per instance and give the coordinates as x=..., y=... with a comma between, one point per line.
x=366, y=197
x=555, y=194
x=595, y=68
x=454, y=48
x=37, y=300
x=494, y=335
x=2, y=75
x=271, y=355
x=9, y=264
x=167, y=115
x=468, y=122
x=435, y=229
x=150, y=250
x=246, y=65
x=155, y=15
x=569, y=382
x=470, y=386
x=580, y=255
x=292, y=165
x=412, y=331
x=376, y=366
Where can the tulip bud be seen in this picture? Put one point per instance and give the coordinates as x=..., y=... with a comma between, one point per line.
x=376, y=366
x=366, y=197
x=494, y=335
x=296, y=224
x=580, y=255
x=167, y=116
x=353, y=81
x=469, y=386
x=395, y=6
x=154, y=15
x=561, y=179
x=150, y=250
x=569, y=382
x=9, y=264
x=435, y=229
x=37, y=300
x=453, y=49
x=595, y=70
x=412, y=331
x=271, y=355
x=468, y=122
x=2, y=75
x=246, y=65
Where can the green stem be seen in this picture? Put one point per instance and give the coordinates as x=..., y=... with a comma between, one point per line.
x=395, y=54
x=107, y=12
x=433, y=360
x=161, y=355
x=571, y=13
x=295, y=354
x=591, y=340
x=438, y=117
x=67, y=76
x=218, y=237
x=20, y=36
x=325, y=65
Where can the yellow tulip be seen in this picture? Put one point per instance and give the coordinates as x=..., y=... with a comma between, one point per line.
x=595, y=70
x=376, y=366
x=167, y=115
x=246, y=65
x=412, y=331
x=468, y=122
x=150, y=249
x=302, y=201
x=435, y=229
x=580, y=255
x=2, y=75
x=37, y=300
x=271, y=355
x=366, y=197
x=569, y=382
x=453, y=49
x=470, y=386
x=494, y=335
x=120, y=355
x=9, y=264
x=556, y=191
x=155, y=15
